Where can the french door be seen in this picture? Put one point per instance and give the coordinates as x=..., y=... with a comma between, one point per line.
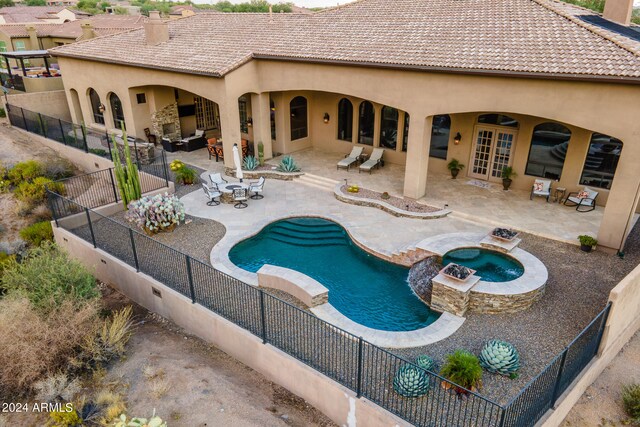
x=491, y=152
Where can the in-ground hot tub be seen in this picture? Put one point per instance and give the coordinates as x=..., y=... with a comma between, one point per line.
x=491, y=266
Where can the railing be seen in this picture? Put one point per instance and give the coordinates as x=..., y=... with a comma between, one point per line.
x=366, y=369
x=67, y=133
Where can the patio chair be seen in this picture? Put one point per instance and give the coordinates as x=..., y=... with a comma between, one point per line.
x=256, y=188
x=374, y=161
x=195, y=141
x=584, y=201
x=217, y=179
x=541, y=187
x=212, y=194
x=350, y=158
x=211, y=147
x=240, y=197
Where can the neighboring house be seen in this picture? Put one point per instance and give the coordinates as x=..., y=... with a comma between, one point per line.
x=182, y=11
x=62, y=2
x=131, y=10
x=543, y=86
x=38, y=14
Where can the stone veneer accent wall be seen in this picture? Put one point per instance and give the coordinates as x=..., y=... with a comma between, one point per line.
x=167, y=115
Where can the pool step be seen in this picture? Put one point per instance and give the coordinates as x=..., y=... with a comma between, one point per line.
x=410, y=255
x=308, y=243
x=317, y=236
x=317, y=181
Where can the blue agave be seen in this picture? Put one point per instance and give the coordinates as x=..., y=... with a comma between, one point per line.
x=411, y=381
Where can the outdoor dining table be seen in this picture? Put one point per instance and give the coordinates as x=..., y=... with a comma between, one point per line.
x=227, y=190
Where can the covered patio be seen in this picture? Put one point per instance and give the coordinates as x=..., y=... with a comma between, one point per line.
x=490, y=206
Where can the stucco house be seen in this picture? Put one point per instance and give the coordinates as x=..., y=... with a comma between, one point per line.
x=548, y=88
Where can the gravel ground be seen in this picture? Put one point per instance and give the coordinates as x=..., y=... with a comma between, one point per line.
x=400, y=203
x=577, y=290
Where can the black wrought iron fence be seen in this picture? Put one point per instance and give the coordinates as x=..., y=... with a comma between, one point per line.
x=366, y=369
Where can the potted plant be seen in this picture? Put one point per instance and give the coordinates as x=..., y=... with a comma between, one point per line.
x=463, y=369
x=507, y=174
x=587, y=242
x=385, y=196
x=455, y=166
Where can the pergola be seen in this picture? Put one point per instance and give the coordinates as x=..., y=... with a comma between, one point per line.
x=26, y=54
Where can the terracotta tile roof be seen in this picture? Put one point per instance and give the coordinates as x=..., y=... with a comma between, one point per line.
x=19, y=14
x=102, y=25
x=521, y=36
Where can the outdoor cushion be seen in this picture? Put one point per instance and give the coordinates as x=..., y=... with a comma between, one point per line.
x=583, y=195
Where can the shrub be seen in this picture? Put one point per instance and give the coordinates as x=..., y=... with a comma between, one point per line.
x=161, y=212
x=98, y=152
x=185, y=175
x=55, y=387
x=631, y=401
x=59, y=169
x=287, y=164
x=463, y=369
x=25, y=171
x=48, y=277
x=62, y=418
x=3, y=113
x=37, y=233
x=587, y=240
x=41, y=345
x=109, y=343
x=35, y=192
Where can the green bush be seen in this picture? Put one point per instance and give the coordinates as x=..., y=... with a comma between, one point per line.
x=186, y=175
x=631, y=401
x=35, y=192
x=463, y=368
x=59, y=169
x=25, y=171
x=98, y=152
x=3, y=113
x=37, y=233
x=47, y=277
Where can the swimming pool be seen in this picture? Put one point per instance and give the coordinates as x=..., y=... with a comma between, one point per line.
x=491, y=266
x=366, y=289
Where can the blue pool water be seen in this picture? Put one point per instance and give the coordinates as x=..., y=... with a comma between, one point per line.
x=366, y=289
x=491, y=266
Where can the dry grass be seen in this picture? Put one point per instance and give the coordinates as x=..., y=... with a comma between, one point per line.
x=158, y=387
x=151, y=372
x=56, y=386
x=110, y=340
x=40, y=345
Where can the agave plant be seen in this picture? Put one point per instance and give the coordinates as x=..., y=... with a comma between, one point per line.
x=426, y=362
x=500, y=357
x=288, y=165
x=411, y=381
x=250, y=163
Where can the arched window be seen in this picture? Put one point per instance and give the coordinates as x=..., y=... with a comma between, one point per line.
x=440, y=130
x=298, y=110
x=272, y=118
x=405, y=134
x=497, y=119
x=389, y=128
x=116, y=111
x=345, y=120
x=366, y=123
x=601, y=162
x=98, y=116
x=549, y=144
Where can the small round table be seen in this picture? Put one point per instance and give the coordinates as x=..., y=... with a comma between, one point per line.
x=227, y=191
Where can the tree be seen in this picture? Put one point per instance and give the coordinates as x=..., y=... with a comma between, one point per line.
x=4, y=3
x=36, y=3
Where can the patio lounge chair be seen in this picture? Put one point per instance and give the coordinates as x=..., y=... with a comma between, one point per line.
x=256, y=188
x=217, y=179
x=350, y=158
x=212, y=194
x=240, y=197
x=584, y=201
x=374, y=161
x=194, y=142
x=541, y=187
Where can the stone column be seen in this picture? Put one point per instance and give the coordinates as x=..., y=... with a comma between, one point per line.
x=230, y=129
x=418, y=144
x=623, y=199
x=262, y=123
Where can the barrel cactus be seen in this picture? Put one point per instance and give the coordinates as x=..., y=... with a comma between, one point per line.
x=500, y=357
x=426, y=362
x=411, y=381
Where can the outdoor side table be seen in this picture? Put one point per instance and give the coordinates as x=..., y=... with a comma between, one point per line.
x=558, y=194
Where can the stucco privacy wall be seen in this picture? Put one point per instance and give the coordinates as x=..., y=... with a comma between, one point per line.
x=337, y=402
x=622, y=324
x=52, y=103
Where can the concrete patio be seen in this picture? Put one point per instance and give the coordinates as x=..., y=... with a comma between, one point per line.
x=485, y=207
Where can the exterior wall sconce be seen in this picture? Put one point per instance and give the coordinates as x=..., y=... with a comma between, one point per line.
x=101, y=108
x=326, y=118
x=249, y=121
x=457, y=138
